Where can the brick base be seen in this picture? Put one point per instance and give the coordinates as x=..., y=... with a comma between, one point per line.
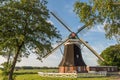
x=72, y=69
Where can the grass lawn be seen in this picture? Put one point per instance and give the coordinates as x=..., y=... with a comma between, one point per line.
x=37, y=77
x=32, y=75
x=0, y=75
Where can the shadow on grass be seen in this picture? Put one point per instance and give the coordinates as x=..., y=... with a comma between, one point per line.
x=23, y=73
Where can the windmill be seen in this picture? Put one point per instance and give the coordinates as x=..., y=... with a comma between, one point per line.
x=72, y=60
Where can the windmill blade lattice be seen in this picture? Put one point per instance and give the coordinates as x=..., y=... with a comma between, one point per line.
x=61, y=51
x=91, y=49
x=61, y=22
x=81, y=28
x=55, y=49
x=72, y=55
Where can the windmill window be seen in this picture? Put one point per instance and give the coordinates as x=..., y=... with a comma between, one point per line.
x=79, y=69
x=77, y=56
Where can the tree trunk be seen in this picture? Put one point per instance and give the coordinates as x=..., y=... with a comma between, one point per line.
x=10, y=76
x=8, y=59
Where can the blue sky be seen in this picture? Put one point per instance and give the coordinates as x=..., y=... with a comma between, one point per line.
x=95, y=36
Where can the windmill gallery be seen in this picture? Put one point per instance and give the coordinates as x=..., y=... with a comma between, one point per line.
x=72, y=61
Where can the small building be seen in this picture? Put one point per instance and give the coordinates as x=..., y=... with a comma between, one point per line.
x=102, y=68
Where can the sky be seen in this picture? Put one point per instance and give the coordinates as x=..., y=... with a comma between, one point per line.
x=95, y=36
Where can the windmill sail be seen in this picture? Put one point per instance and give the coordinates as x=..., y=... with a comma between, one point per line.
x=55, y=49
x=81, y=28
x=61, y=22
x=72, y=60
x=91, y=49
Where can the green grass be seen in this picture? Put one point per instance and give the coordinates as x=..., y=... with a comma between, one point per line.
x=32, y=75
x=0, y=75
x=37, y=77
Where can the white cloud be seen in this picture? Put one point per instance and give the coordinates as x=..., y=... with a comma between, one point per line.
x=100, y=46
x=52, y=60
x=49, y=21
x=98, y=28
x=95, y=29
x=69, y=8
x=89, y=58
x=2, y=60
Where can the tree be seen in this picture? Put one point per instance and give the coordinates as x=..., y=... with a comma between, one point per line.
x=23, y=24
x=111, y=56
x=8, y=54
x=105, y=12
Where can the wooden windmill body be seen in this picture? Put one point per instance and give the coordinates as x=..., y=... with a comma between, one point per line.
x=72, y=60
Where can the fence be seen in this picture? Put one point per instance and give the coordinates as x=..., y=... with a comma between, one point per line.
x=68, y=75
x=74, y=75
x=93, y=74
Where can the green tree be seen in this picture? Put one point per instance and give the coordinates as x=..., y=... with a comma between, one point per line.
x=105, y=12
x=23, y=25
x=111, y=56
x=8, y=54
